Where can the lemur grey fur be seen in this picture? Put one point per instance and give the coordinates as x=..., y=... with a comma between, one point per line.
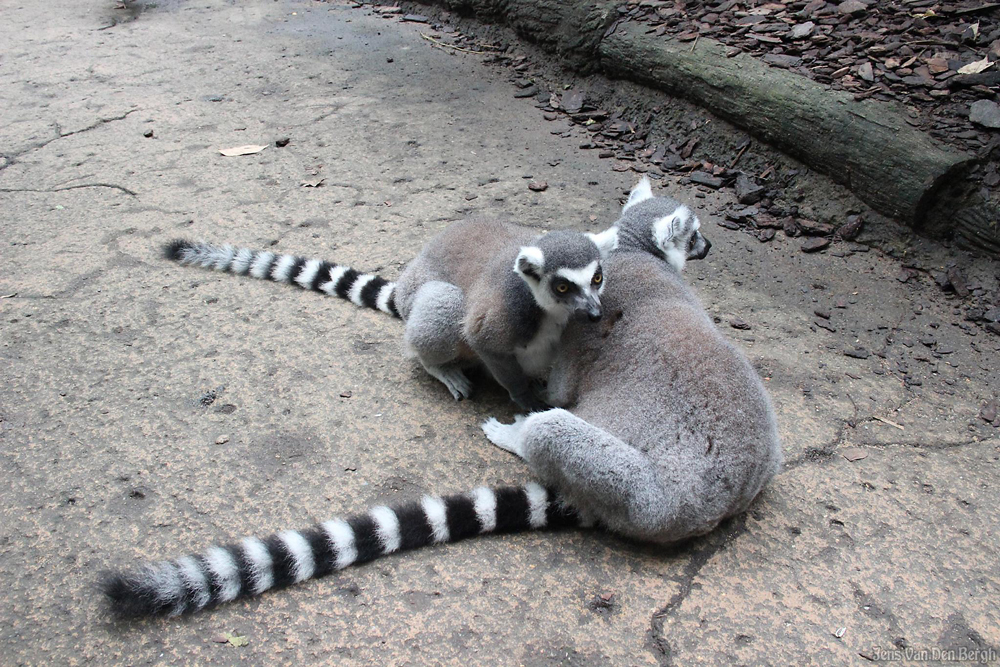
x=482, y=290
x=671, y=429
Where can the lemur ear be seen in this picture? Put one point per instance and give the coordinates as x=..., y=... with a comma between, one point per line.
x=640, y=192
x=606, y=241
x=670, y=226
x=529, y=263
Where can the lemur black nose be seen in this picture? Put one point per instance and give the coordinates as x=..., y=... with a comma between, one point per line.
x=594, y=316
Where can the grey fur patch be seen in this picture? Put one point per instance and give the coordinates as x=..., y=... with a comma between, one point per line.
x=565, y=249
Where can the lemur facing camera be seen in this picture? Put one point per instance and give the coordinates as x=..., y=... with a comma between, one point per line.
x=671, y=432
x=482, y=290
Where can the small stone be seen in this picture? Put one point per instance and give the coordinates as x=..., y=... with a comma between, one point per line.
x=803, y=30
x=550, y=116
x=282, y=142
x=738, y=323
x=992, y=315
x=572, y=101
x=851, y=7
x=852, y=228
x=527, y=92
x=416, y=18
x=865, y=72
x=957, y=281
x=538, y=186
x=825, y=314
x=148, y=134
x=701, y=178
x=747, y=190
x=814, y=228
x=988, y=413
x=815, y=244
x=766, y=235
x=937, y=65
x=346, y=394
x=390, y=60
x=857, y=353
x=985, y=113
x=222, y=439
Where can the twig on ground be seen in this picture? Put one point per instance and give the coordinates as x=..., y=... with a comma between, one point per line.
x=744, y=150
x=450, y=46
x=886, y=421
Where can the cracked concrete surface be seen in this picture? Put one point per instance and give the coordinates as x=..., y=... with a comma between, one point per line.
x=107, y=451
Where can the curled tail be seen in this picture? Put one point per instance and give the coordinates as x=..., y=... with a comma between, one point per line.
x=222, y=574
x=362, y=289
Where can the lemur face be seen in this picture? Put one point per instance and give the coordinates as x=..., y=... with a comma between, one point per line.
x=578, y=291
x=677, y=235
x=563, y=271
x=675, y=230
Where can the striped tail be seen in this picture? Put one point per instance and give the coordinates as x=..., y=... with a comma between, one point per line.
x=362, y=289
x=222, y=574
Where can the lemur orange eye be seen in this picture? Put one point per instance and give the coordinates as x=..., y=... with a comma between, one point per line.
x=598, y=277
x=562, y=288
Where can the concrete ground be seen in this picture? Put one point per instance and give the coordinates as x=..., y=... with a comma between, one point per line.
x=121, y=373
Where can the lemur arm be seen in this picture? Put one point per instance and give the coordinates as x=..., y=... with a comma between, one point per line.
x=506, y=370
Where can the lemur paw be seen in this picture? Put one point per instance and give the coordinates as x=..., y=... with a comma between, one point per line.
x=505, y=436
x=454, y=379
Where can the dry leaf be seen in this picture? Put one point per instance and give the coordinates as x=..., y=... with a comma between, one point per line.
x=237, y=640
x=975, y=67
x=249, y=149
x=853, y=453
x=313, y=183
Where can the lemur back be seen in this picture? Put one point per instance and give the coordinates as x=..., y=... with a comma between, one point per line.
x=667, y=429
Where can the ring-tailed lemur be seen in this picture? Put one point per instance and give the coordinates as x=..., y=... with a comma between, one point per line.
x=671, y=429
x=482, y=290
x=222, y=574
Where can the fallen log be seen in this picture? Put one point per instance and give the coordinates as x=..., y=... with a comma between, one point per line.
x=866, y=145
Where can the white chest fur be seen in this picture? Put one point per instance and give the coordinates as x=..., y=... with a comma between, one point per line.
x=536, y=357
